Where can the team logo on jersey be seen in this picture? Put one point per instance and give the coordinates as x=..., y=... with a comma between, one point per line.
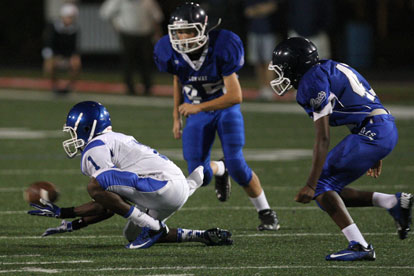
x=316, y=103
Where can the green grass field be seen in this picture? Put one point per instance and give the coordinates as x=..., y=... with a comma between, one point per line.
x=30, y=143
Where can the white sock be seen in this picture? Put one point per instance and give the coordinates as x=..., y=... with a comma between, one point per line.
x=352, y=233
x=221, y=169
x=260, y=202
x=386, y=201
x=188, y=235
x=142, y=219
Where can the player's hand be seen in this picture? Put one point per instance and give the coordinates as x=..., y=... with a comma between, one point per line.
x=305, y=195
x=65, y=226
x=375, y=171
x=188, y=109
x=48, y=209
x=177, y=129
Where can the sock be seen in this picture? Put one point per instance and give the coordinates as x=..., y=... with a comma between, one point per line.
x=386, y=201
x=142, y=219
x=221, y=169
x=260, y=202
x=352, y=233
x=188, y=235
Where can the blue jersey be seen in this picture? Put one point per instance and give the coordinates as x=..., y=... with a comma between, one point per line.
x=336, y=89
x=202, y=79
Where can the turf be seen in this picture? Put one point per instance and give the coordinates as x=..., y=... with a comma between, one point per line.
x=298, y=248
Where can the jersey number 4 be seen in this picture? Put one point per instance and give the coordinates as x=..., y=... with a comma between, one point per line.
x=356, y=85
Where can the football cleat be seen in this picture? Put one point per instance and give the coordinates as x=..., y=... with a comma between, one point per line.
x=148, y=237
x=223, y=185
x=401, y=213
x=217, y=236
x=269, y=220
x=354, y=252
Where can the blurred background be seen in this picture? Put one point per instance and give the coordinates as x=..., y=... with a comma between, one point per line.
x=374, y=36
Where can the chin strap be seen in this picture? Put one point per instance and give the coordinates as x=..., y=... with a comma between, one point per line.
x=215, y=26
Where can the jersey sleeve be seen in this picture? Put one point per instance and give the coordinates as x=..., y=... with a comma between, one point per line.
x=163, y=55
x=314, y=95
x=231, y=53
x=96, y=158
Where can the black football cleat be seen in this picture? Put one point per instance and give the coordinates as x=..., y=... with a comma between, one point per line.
x=269, y=220
x=217, y=236
x=401, y=213
x=223, y=185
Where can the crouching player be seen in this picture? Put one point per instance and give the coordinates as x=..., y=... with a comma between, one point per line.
x=334, y=94
x=129, y=179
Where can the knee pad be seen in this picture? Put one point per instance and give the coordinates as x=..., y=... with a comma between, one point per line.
x=239, y=171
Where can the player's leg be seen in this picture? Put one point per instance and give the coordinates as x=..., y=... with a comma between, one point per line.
x=197, y=139
x=231, y=132
x=342, y=166
x=346, y=162
x=162, y=206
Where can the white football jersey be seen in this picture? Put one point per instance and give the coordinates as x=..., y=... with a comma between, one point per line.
x=117, y=150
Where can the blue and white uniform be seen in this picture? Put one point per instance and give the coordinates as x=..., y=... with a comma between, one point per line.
x=335, y=89
x=202, y=80
x=136, y=172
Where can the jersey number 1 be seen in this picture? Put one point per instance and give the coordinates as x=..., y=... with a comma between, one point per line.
x=356, y=85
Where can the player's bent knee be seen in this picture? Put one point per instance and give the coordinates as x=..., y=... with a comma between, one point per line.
x=239, y=171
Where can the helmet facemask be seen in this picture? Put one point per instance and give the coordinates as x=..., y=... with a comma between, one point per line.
x=72, y=145
x=280, y=84
x=187, y=45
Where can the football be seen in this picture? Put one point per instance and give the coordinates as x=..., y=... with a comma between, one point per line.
x=41, y=189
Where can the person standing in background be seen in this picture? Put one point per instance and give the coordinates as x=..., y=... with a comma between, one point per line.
x=312, y=19
x=261, y=39
x=60, y=51
x=138, y=25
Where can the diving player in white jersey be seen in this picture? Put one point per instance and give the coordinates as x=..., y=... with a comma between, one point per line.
x=129, y=179
x=334, y=94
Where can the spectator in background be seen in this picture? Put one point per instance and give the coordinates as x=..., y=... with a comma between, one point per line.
x=60, y=50
x=138, y=24
x=261, y=39
x=312, y=19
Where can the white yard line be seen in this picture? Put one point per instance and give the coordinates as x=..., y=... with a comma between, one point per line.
x=400, y=112
x=205, y=268
x=259, y=235
x=20, y=256
x=44, y=263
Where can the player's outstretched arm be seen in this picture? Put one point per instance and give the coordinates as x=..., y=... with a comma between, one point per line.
x=320, y=151
x=69, y=226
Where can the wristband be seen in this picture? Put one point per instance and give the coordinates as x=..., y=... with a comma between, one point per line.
x=78, y=224
x=67, y=212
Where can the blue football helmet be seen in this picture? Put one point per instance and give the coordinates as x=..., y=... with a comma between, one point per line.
x=85, y=121
x=291, y=59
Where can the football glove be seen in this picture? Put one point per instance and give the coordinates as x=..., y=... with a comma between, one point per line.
x=48, y=209
x=65, y=226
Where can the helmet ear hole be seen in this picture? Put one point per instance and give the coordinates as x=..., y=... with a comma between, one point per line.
x=86, y=129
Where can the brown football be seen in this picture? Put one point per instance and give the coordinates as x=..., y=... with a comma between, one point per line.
x=41, y=189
